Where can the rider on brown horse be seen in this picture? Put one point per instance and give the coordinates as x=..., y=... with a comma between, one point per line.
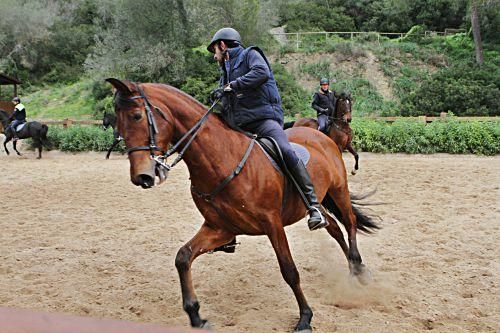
x=324, y=103
x=248, y=88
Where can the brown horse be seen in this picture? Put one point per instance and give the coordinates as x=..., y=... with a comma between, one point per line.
x=338, y=130
x=233, y=184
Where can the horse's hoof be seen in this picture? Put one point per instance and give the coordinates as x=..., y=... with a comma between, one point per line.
x=307, y=330
x=362, y=273
x=206, y=326
x=353, y=172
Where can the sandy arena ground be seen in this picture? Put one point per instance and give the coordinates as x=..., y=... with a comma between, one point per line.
x=78, y=237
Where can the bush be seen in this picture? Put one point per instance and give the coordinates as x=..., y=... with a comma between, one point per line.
x=464, y=89
x=80, y=138
x=444, y=136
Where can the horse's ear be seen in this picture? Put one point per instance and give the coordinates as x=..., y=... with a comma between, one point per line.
x=121, y=86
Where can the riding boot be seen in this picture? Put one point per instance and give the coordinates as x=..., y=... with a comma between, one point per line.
x=303, y=180
x=14, y=134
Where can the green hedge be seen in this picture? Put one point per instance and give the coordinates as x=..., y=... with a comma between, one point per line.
x=81, y=138
x=410, y=136
x=402, y=136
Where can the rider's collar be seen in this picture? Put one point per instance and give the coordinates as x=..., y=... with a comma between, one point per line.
x=234, y=52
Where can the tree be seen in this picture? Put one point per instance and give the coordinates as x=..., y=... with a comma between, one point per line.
x=476, y=32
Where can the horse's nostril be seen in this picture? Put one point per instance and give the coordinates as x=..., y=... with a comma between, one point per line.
x=146, y=181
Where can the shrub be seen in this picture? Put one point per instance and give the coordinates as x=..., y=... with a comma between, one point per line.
x=80, y=138
x=443, y=136
x=464, y=89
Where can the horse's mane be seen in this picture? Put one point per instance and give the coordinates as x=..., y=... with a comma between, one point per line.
x=180, y=92
x=345, y=95
x=123, y=100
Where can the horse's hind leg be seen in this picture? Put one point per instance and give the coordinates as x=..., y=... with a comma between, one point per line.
x=343, y=201
x=334, y=231
x=205, y=240
x=290, y=274
x=356, y=158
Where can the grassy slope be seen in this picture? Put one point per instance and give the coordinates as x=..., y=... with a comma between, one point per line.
x=377, y=74
x=59, y=102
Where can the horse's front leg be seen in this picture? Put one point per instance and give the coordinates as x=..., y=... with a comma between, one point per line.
x=277, y=236
x=115, y=142
x=14, y=145
x=356, y=157
x=207, y=239
x=7, y=139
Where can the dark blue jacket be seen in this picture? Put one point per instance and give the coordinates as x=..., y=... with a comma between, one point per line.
x=324, y=102
x=256, y=95
x=19, y=113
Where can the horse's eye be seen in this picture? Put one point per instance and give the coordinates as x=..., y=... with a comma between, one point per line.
x=137, y=116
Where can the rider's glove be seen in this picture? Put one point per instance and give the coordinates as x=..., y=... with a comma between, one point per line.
x=217, y=94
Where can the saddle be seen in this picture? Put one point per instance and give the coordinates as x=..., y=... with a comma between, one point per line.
x=273, y=153
x=20, y=127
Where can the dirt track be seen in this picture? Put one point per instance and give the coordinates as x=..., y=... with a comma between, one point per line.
x=78, y=237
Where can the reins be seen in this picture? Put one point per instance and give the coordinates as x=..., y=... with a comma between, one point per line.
x=193, y=132
x=153, y=130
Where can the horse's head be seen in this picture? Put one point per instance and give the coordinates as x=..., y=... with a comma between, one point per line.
x=4, y=118
x=108, y=120
x=343, y=110
x=146, y=128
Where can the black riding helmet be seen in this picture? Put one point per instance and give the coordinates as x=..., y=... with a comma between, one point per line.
x=16, y=100
x=324, y=81
x=224, y=34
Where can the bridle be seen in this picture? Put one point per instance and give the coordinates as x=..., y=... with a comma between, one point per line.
x=153, y=131
x=341, y=118
x=193, y=132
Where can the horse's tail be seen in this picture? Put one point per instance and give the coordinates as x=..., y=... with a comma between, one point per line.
x=288, y=124
x=365, y=223
x=43, y=136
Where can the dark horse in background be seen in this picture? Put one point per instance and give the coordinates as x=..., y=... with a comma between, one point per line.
x=109, y=120
x=32, y=129
x=338, y=128
x=235, y=198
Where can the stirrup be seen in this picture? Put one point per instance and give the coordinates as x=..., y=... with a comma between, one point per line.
x=313, y=225
x=228, y=248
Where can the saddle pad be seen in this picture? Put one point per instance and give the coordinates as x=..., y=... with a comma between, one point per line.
x=301, y=152
x=20, y=127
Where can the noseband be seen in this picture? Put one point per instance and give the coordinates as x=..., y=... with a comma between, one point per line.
x=343, y=114
x=153, y=131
